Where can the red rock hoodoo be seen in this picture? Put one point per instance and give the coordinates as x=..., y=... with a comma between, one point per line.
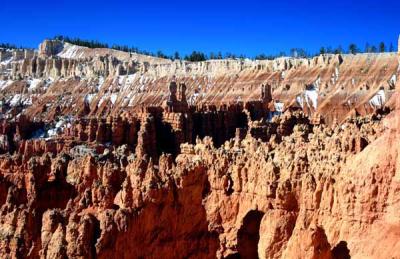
x=111, y=154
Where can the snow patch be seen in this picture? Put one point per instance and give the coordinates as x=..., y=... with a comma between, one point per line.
x=89, y=98
x=7, y=61
x=113, y=98
x=300, y=100
x=193, y=99
x=48, y=81
x=393, y=80
x=378, y=100
x=130, y=79
x=27, y=101
x=100, y=83
x=311, y=98
x=278, y=106
x=48, y=133
x=125, y=81
x=102, y=99
x=5, y=84
x=15, y=100
x=335, y=76
x=34, y=84
x=278, y=110
x=70, y=51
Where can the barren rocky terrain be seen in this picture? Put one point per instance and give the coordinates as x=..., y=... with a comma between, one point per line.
x=109, y=154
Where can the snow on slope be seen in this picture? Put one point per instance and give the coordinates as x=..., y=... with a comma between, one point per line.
x=278, y=106
x=311, y=98
x=378, y=100
x=7, y=61
x=71, y=51
x=5, y=83
x=34, y=84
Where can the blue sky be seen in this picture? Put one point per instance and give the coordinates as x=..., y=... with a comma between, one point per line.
x=245, y=27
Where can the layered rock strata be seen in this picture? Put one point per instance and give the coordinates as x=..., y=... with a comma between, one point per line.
x=69, y=79
x=219, y=159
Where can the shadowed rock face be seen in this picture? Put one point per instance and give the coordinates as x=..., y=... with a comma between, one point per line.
x=185, y=168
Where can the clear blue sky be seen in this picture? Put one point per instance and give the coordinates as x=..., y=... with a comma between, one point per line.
x=241, y=27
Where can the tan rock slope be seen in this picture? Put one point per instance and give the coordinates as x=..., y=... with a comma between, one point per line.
x=113, y=154
x=60, y=75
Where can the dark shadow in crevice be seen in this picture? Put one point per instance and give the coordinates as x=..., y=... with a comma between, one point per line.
x=340, y=251
x=166, y=139
x=249, y=235
x=95, y=236
x=229, y=188
x=233, y=256
x=54, y=195
x=206, y=189
x=220, y=125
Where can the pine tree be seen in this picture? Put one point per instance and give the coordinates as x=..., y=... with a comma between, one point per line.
x=353, y=48
x=261, y=56
x=160, y=54
x=338, y=50
x=196, y=56
x=176, y=55
x=382, y=47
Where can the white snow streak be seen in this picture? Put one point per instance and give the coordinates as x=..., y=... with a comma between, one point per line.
x=378, y=100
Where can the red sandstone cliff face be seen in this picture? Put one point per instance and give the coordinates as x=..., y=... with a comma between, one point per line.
x=311, y=195
x=277, y=174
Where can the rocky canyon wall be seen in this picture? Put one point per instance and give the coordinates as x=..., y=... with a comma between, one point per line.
x=69, y=79
x=111, y=154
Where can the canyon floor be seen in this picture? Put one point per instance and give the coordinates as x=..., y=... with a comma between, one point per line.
x=109, y=154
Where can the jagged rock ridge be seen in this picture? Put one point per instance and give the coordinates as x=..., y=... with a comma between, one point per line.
x=290, y=158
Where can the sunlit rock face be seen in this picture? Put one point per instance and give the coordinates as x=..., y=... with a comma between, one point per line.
x=70, y=79
x=106, y=154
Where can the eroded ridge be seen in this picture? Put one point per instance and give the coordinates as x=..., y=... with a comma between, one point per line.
x=64, y=79
x=288, y=170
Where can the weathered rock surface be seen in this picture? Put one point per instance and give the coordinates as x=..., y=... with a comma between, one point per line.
x=290, y=170
x=69, y=79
